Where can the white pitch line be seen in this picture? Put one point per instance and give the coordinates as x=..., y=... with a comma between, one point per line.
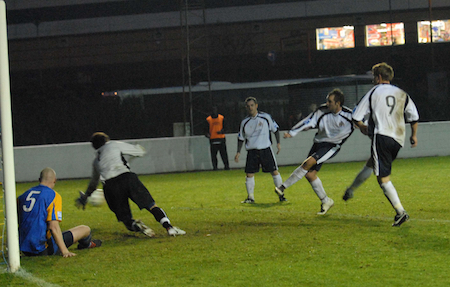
x=30, y=278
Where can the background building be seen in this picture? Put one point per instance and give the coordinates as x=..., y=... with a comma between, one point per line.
x=65, y=53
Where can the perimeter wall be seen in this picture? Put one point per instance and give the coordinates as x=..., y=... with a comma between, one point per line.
x=183, y=154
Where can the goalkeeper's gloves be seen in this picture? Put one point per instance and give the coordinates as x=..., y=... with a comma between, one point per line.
x=81, y=201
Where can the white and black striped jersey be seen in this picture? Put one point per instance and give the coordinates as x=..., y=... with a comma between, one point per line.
x=332, y=128
x=389, y=108
x=255, y=131
x=109, y=161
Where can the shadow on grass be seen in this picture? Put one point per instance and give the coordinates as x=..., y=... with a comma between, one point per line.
x=274, y=224
x=126, y=237
x=360, y=221
x=265, y=205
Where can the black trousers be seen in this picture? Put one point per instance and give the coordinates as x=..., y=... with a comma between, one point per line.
x=219, y=145
x=123, y=187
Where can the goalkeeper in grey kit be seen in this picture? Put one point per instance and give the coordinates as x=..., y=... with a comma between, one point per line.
x=120, y=184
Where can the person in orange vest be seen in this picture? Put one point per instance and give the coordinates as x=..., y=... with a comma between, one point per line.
x=214, y=130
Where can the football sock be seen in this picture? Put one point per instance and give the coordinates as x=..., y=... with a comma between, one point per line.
x=250, y=185
x=391, y=194
x=277, y=180
x=319, y=190
x=362, y=176
x=161, y=217
x=85, y=242
x=296, y=175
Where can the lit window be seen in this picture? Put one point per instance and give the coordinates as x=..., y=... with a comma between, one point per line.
x=441, y=31
x=385, y=34
x=335, y=38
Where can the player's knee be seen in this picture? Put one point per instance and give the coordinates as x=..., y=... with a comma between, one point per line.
x=310, y=176
x=309, y=163
x=86, y=230
x=381, y=180
x=151, y=206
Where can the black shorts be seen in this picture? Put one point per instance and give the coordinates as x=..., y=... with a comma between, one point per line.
x=257, y=158
x=123, y=187
x=322, y=152
x=384, y=151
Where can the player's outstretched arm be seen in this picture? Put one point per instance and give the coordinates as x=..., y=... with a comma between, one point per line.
x=81, y=201
x=54, y=228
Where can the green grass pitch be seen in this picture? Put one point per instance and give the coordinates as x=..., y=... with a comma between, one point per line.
x=265, y=244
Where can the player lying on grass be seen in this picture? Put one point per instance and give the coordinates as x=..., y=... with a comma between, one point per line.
x=40, y=211
x=334, y=124
x=120, y=184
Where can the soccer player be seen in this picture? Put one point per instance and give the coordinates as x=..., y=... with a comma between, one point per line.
x=389, y=107
x=334, y=124
x=40, y=211
x=120, y=184
x=256, y=130
x=214, y=131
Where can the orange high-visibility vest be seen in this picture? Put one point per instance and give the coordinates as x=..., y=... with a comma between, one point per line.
x=215, y=125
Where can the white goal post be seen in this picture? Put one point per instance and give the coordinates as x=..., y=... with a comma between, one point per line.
x=9, y=180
